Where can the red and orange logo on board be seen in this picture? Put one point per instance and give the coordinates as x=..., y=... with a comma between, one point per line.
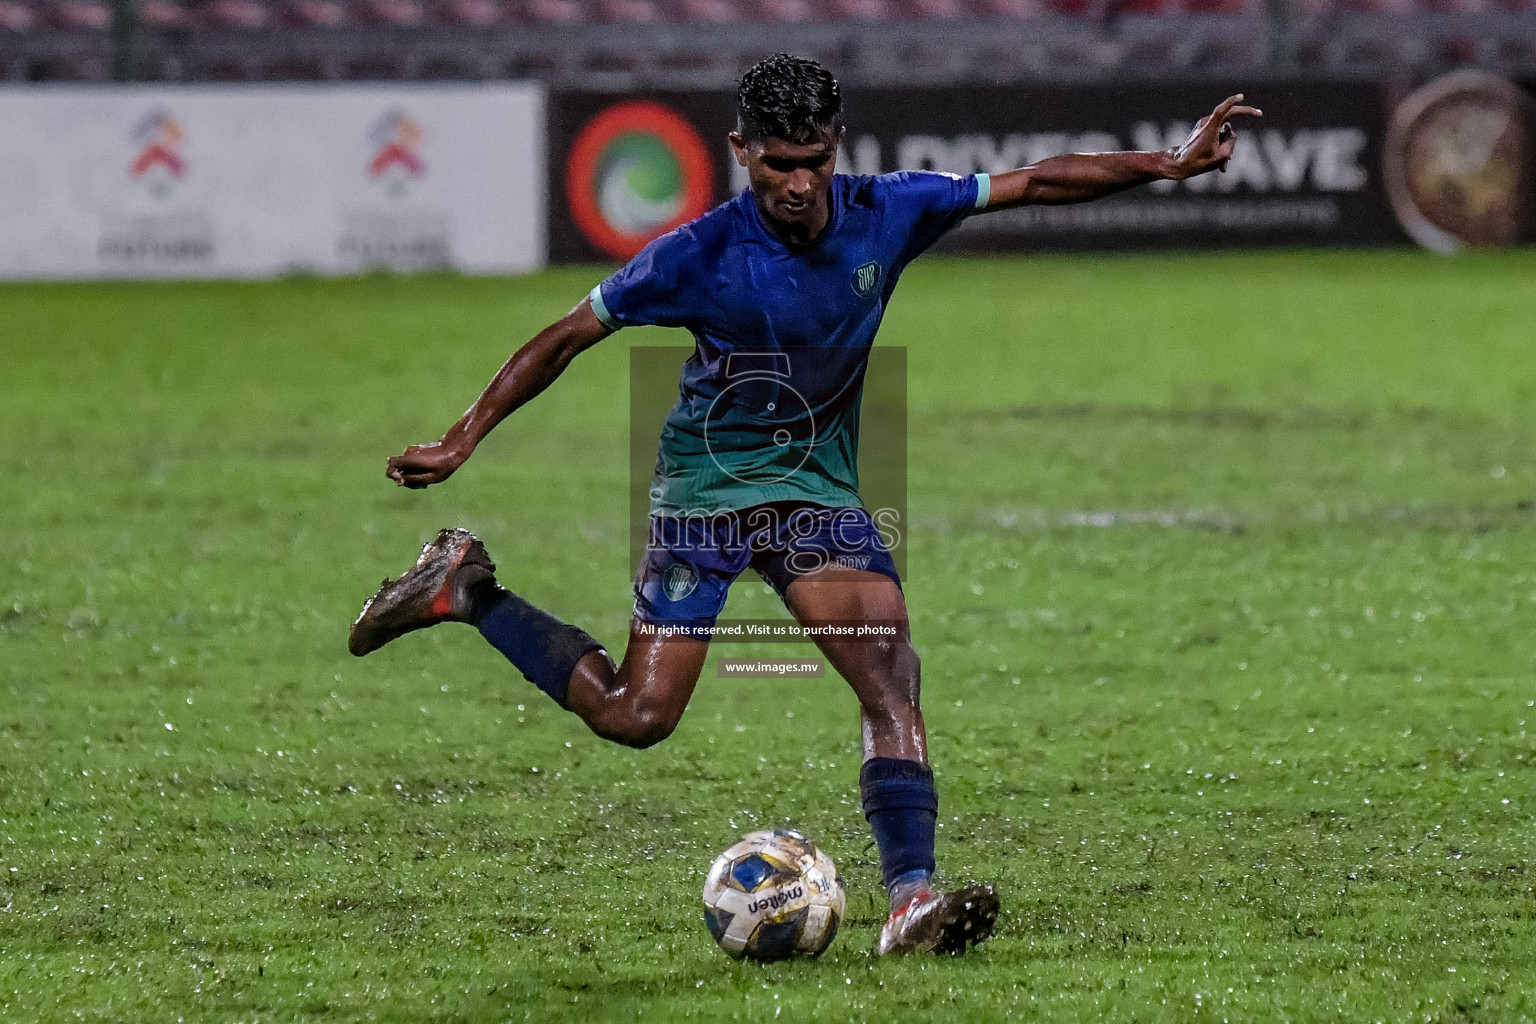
x=159, y=137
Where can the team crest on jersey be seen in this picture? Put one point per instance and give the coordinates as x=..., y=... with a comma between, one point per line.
x=678, y=582
x=866, y=277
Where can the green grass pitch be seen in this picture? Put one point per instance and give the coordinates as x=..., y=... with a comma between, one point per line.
x=1221, y=568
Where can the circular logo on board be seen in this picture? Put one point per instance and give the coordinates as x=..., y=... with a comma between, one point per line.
x=1461, y=162
x=636, y=171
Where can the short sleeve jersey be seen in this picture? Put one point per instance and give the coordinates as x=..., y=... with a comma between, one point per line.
x=768, y=408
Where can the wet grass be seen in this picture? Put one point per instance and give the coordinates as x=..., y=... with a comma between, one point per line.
x=1221, y=568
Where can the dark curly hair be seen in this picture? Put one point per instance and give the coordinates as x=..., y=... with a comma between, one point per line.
x=790, y=98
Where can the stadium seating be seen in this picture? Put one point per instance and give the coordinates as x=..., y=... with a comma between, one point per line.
x=313, y=14
x=17, y=17
x=705, y=11
x=635, y=42
x=391, y=13
x=77, y=15
x=238, y=14
x=625, y=11
x=166, y=16
x=556, y=12
x=471, y=13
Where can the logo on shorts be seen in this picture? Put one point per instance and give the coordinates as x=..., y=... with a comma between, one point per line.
x=678, y=582
x=866, y=277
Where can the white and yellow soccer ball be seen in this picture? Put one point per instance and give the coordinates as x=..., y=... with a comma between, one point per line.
x=773, y=895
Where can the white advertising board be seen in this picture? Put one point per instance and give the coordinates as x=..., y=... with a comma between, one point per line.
x=255, y=181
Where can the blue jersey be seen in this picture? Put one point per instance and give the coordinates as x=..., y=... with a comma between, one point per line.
x=769, y=401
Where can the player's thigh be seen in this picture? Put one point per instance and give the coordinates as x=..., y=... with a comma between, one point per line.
x=647, y=693
x=680, y=589
x=660, y=665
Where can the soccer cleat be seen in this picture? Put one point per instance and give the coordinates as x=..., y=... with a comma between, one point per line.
x=436, y=589
x=941, y=922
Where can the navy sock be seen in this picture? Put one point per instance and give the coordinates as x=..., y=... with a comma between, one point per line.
x=903, y=810
x=542, y=647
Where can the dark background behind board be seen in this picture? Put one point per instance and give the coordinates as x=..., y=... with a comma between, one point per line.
x=972, y=126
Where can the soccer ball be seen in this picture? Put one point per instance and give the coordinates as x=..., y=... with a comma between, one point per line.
x=773, y=895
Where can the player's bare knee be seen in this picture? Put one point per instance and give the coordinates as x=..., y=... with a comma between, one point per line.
x=646, y=724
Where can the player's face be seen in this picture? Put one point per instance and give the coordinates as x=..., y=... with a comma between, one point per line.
x=790, y=181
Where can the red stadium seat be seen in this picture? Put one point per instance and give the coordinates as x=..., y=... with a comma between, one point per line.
x=785, y=10
x=79, y=16
x=1007, y=8
x=559, y=12
x=392, y=13
x=713, y=12
x=313, y=14
x=1077, y=8
x=470, y=13
x=855, y=10
x=15, y=17
x=1215, y=6
x=920, y=10
x=237, y=14
x=164, y=15
x=621, y=11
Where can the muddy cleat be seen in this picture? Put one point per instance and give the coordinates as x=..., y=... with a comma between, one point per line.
x=436, y=589
x=941, y=922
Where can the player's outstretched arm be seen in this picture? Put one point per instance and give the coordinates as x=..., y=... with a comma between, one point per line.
x=1079, y=177
x=531, y=369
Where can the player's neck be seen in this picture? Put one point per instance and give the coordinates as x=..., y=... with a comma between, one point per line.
x=802, y=235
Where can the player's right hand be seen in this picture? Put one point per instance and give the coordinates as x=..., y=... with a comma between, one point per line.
x=422, y=465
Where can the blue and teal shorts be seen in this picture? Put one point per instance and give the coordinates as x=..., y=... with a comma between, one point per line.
x=691, y=561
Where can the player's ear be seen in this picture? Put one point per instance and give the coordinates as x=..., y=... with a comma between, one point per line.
x=738, y=147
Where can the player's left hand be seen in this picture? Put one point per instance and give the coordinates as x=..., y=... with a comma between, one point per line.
x=1210, y=145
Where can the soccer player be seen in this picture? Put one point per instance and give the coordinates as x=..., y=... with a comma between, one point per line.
x=782, y=288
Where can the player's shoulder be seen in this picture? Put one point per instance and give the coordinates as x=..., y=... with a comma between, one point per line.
x=895, y=186
x=704, y=236
x=896, y=180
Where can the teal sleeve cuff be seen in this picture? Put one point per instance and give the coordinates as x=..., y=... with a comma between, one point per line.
x=983, y=190
x=595, y=296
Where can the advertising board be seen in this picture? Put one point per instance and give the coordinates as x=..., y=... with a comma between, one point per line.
x=255, y=181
